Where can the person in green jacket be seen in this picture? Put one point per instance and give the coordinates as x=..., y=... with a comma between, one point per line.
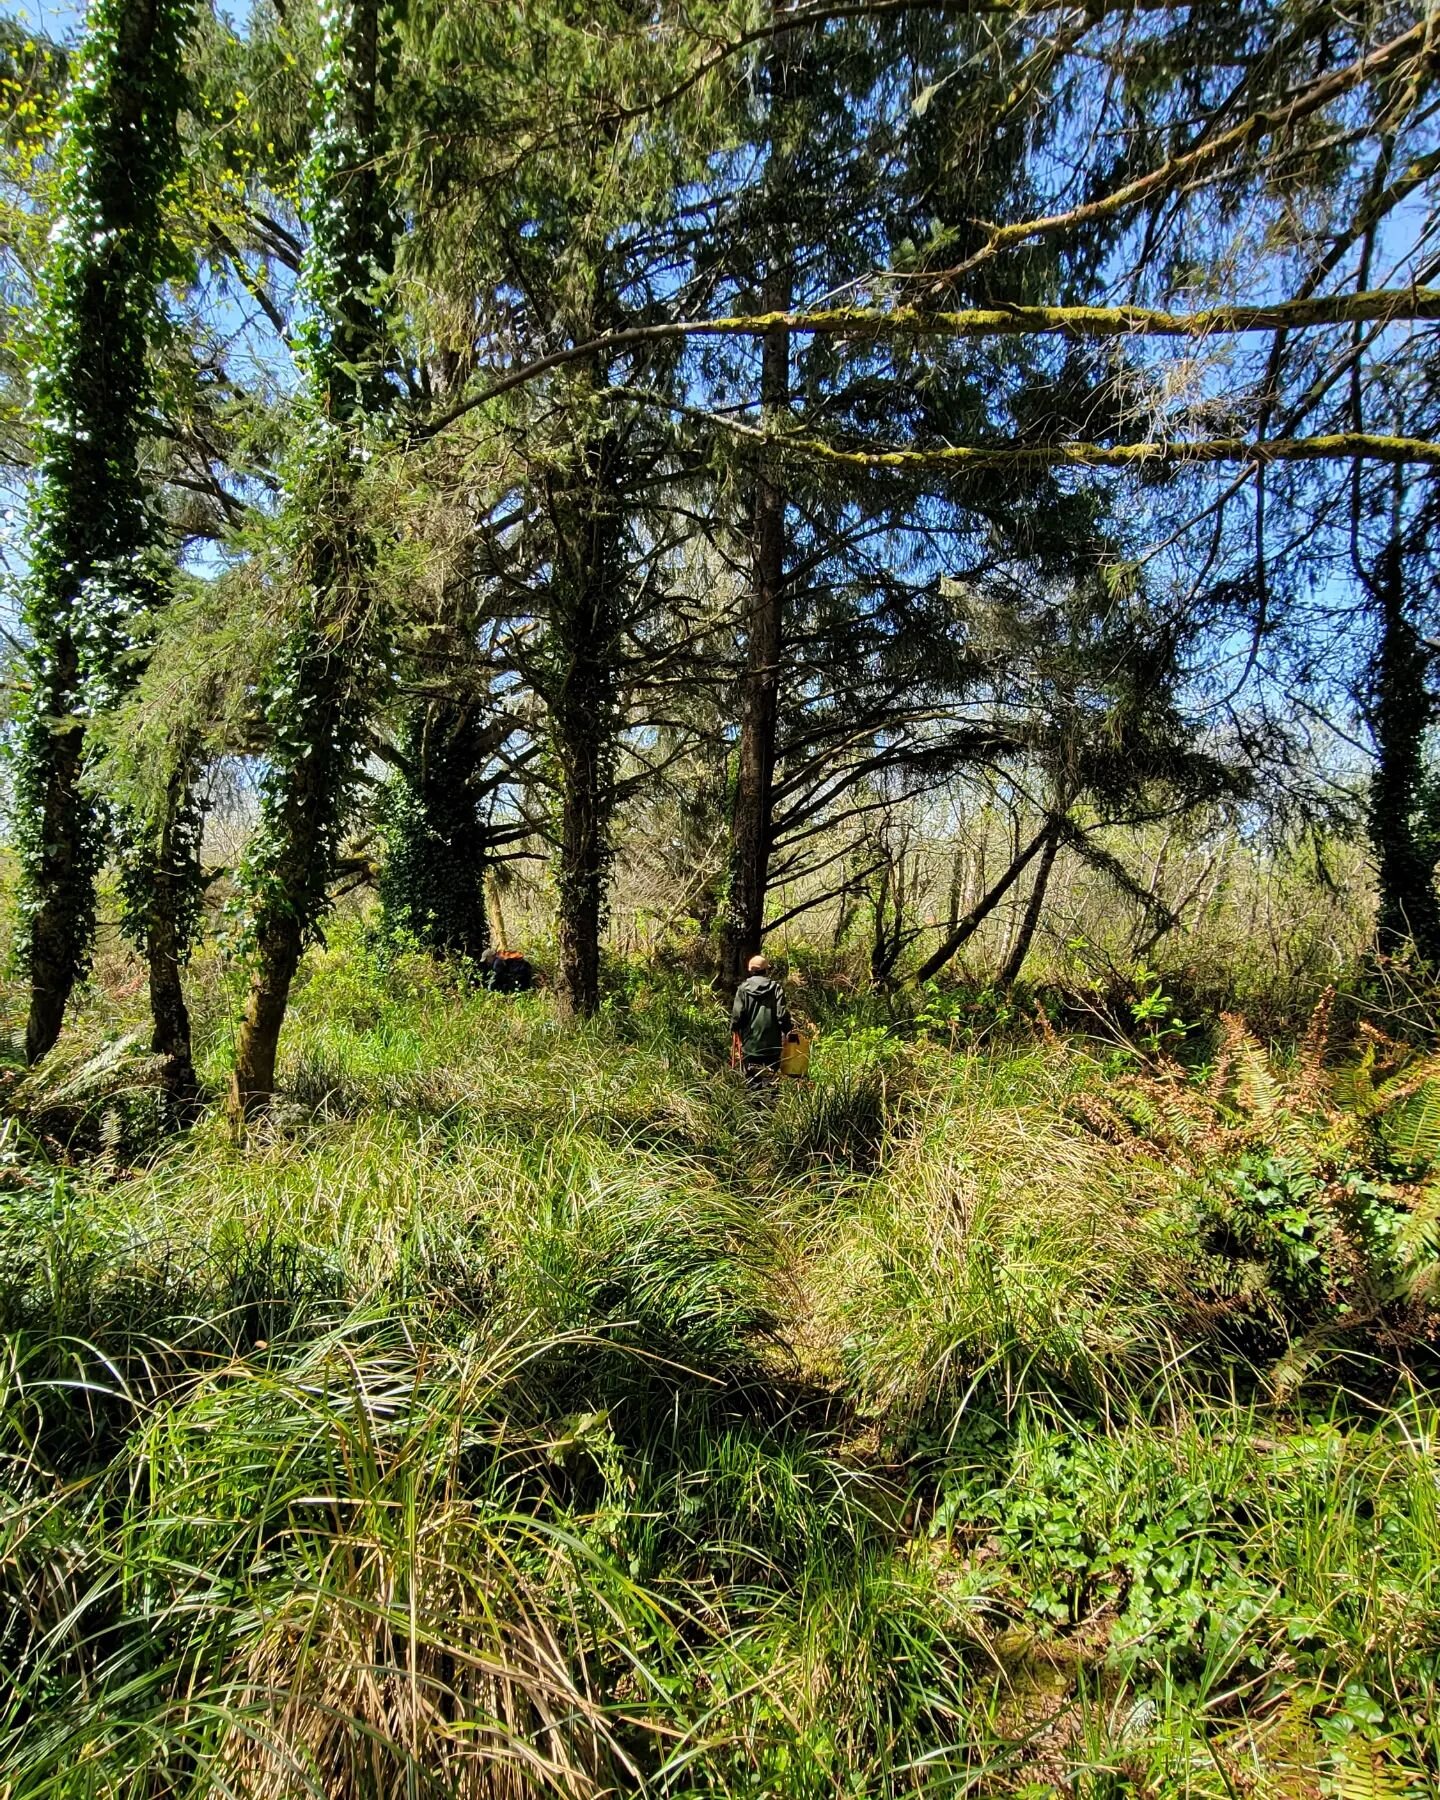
x=759, y=1020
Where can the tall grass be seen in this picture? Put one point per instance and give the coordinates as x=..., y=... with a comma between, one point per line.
x=532, y=1413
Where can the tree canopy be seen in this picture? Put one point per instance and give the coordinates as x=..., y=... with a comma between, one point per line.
x=507, y=436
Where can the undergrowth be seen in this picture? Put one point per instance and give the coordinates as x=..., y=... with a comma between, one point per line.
x=527, y=1412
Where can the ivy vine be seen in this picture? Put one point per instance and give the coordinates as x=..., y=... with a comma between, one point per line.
x=320, y=687
x=432, y=888
x=97, y=560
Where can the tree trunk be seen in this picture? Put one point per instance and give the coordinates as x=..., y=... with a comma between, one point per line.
x=584, y=715
x=332, y=665
x=1401, y=710
x=64, y=880
x=584, y=860
x=1020, y=949
x=981, y=910
x=584, y=727
x=90, y=523
x=172, y=889
x=169, y=1015
x=752, y=824
x=276, y=959
x=433, y=884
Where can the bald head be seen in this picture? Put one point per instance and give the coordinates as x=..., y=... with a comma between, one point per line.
x=758, y=965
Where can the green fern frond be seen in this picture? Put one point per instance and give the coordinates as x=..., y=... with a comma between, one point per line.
x=1410, y=1128
x=1368, y=1774
x=1354, y=1085
x=1418, y=1238
x=1258, y=1093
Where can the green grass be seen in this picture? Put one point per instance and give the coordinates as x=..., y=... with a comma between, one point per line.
x=534, y=1413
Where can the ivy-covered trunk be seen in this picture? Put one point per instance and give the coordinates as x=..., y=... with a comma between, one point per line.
x=333, y=659
x=433, y=885
x=584, y=632
x=1401, y=709
x=60, y=837
x=166, y=948
x=96, y=561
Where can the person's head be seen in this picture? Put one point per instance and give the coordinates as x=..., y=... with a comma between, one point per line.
x=758, y=965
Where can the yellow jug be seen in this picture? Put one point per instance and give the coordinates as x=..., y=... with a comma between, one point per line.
x=795, y=1055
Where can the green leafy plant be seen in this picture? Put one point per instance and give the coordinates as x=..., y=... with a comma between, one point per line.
x=1154, y=1014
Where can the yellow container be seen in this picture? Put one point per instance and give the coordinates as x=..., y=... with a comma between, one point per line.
x=795, y=1055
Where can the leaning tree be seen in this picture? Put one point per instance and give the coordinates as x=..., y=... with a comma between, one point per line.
x=323, y=682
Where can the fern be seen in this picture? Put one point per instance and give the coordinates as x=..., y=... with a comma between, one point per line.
x=1418, y=1239
x=1355, y=1084
x=85, y=1077
x=1257, y=1092
x=1411, y=1130
x=1369, y=1774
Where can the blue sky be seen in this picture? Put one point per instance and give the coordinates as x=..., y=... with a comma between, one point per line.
x=51, y=18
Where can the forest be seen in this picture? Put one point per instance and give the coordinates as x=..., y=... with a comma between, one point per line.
x=520, y=513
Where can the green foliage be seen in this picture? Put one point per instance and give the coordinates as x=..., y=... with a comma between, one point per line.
x=433, y=884
x=1154, y=1014
x=534, y=1376
x=98, y=566
x=319, y=692
x=838, y=1116
x=1410, y=1127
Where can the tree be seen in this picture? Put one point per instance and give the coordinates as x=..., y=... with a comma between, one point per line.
x=323, y=684
x=1400, y=710
x=570, y=238
x=438, y=836
x=98, y=564
x=763, y=627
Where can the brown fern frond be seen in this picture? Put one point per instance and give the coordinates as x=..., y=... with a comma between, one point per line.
x=1310, y=1076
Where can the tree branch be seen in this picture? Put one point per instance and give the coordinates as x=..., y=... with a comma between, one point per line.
x=1382, y=305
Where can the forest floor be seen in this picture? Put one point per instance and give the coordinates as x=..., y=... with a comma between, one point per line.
x=521, y=1411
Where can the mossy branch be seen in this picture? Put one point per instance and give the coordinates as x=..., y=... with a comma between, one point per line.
x=1334, y=446
x=1385, y=306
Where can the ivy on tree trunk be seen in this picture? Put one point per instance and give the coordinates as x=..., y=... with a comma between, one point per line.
x=333, y=658
x=433, y=885
x=97, y=561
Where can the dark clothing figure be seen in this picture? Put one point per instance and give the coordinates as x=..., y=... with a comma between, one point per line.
x=759, y=1019
x=507, y=972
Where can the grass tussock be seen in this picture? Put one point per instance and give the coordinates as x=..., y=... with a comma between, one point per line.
x=539, y=1414
x=1001, y=1254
